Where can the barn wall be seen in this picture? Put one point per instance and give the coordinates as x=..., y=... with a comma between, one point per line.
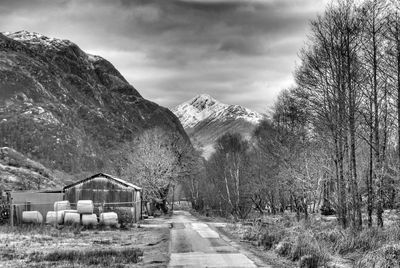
x=100, y=190
x=42, y=202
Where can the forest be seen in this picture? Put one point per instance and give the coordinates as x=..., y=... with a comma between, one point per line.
x=332, y=143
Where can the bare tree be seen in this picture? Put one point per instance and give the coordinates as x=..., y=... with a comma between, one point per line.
x=157, y=160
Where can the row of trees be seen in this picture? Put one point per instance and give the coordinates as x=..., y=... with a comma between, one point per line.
x=349, y=79
x=333, y=141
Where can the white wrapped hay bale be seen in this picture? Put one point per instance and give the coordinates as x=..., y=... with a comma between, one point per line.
x=72, y=218
x=62, y=205
x=85, y=207
x=32, y=217
x=109, y=218
x=55, y=217
x=89, y=219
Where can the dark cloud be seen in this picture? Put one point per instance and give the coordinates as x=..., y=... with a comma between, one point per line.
x=240, y=51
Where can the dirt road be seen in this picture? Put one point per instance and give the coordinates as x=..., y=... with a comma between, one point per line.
x=197, y=244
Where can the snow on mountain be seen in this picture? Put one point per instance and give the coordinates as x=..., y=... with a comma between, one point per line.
x=38, y=39
x=205, y=119
x=204, y=107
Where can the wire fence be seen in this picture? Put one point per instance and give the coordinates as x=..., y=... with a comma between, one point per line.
x=128, y=212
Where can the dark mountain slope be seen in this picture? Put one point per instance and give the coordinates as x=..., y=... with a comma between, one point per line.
x=68, y=109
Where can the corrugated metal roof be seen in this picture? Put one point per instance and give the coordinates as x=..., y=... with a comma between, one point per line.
x=125, y=183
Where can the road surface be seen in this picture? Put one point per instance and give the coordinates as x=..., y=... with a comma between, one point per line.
x=197, y=244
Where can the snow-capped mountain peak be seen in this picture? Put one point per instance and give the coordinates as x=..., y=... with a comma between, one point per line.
x=203, y=101
x=204, y=107
x=38, y=39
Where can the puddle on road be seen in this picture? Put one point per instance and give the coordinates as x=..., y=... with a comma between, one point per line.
x=178, y=225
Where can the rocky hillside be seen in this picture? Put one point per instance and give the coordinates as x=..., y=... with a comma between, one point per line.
x=205, y=119
x=67, y=109
x=18, y=172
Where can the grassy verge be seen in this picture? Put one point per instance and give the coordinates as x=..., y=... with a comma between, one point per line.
x=320, y=241
x=104, y=257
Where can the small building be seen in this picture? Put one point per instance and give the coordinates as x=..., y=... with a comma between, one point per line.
x=106, y=190
x=42, y=201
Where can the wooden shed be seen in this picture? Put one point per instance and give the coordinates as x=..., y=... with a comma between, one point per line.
x=104, y=189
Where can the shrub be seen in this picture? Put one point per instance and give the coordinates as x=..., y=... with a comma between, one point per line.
x=385, y=257
x=366, y=240
x=251, y=232
x=308, y=261
x=125, y=215
x=331, y=237
x=284, y=248
x=306, y=244
x=271, y=237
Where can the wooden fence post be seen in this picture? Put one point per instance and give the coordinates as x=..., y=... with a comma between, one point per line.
x=11, y=212
x=55, y=223
x=173, y=197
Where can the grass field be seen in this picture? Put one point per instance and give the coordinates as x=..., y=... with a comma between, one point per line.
x=45, y=246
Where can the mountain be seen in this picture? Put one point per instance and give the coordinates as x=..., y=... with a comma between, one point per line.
x=205, y=119
x=69, y=110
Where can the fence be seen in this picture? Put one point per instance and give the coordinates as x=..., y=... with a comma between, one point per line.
x=128, y=212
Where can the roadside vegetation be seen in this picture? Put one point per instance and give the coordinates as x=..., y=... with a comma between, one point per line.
x=320, y=241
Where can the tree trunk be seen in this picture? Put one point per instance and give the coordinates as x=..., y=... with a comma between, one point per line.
x=370, y=189
x=379, y=209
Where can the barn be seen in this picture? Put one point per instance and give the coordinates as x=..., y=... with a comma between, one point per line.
x=106, y=191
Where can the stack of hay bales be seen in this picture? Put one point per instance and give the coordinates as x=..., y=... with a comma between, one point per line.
x=57, y=216
x=85, y=208
x=63, y=214
x=32, y=217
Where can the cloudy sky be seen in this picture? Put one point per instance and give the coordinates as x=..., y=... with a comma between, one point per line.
x=239, y=51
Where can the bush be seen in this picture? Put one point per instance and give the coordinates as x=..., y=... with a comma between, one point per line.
x=125, y=215
x=309, y=261
x=366, y=240
x=271, y=237
x=385, y=257
x=331, y=237
x=307, y=245
x=251, y=233
x=284, y=248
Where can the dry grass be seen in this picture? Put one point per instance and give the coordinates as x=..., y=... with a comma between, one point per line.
x=320, y=240
x=74, y=246
x=387, y=256
x=103, y=257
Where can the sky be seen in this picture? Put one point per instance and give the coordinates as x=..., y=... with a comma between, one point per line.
x=238, y=51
